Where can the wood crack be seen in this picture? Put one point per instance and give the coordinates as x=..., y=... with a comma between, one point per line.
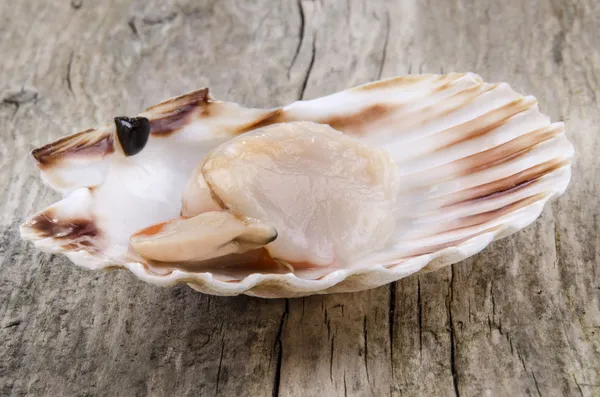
x=12, y=324
x=310, y=66
x=522, y=361
x=452, y=336
x=220, y=364
x=578, y=386
x=557, y=47
x=301, y=34
x=556, y=244
x=385, y=44
x=345, y=387
x=420, y=317
x=20, y=98
x=279, y=347
x=131, y=24
x=469, y=309
x=331, y=358
x=537, y=387
x=160, y=19
x=493, y=302
x=69, y=67
x=328, y=323
x=366, y=347
x=391, y=319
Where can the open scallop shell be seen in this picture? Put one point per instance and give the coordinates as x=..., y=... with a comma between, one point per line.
x=477, y=161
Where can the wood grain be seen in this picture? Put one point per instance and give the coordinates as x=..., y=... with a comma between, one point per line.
x=521, y=318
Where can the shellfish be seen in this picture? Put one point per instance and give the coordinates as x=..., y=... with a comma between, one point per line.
x=341, y=193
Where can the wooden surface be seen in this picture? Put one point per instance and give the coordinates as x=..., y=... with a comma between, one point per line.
x=522, y=318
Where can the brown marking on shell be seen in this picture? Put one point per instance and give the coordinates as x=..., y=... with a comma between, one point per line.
x=85, y=143
x=485, y=217
x=113, y=267
x=165, y=126
x=477, y=220
x=447, y=83
x=510, y=150
x=274, y=117
x=451, y=104
x=406, y=80
x=506, y=185
x=175, y=103
x=483, y=124
x=454, y=102
x=171, y=115
x=77, y=232
x=355, y=123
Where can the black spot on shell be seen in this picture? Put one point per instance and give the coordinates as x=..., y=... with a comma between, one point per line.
x=133, y=133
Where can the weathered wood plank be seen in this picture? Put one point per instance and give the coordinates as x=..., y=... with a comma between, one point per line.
x=521, y=318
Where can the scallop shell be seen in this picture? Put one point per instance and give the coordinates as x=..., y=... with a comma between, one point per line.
x=478, y=162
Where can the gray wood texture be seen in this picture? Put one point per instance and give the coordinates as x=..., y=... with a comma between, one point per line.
x=522, y=318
